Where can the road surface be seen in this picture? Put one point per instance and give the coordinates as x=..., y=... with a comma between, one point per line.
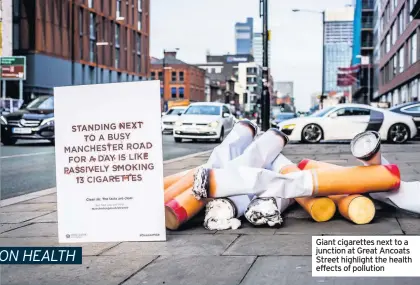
x=30, y=166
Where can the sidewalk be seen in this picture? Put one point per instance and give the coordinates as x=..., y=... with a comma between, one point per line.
x=195, y=255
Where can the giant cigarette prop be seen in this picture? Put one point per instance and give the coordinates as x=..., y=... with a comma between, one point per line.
x=356, y=208
x=366, y=148
x=223, y=213
x=235, y=143
x=265, y=209
x=321, y=209
x=261, y=152
x=217, y=183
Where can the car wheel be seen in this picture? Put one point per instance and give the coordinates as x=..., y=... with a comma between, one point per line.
x=8, y=141
x=312, y=133
x=398, y=133
x=222, y=136
x=177, y=140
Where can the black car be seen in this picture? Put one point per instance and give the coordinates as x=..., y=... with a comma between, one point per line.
x=34, y=121
x=411, y=109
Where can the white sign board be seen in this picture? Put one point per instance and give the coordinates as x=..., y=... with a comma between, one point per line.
x=109, y=164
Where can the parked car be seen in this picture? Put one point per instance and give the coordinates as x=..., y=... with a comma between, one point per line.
x=345, y=121
x=34, y=121
x=280, y=117
x=170, y=117
x=412, y=109
x=210, y=121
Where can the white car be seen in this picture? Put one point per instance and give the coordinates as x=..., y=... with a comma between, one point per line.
x=170, y=117
x=345, y=121
x=205, y=120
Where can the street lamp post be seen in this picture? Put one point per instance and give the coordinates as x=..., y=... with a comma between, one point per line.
x=265, y=98
x=323, y=51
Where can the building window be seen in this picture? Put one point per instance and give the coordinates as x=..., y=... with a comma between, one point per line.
x=401, y=59
x=388, y=43
x=411, y=6
x=139, y=20
x=160, y=75
x=394, y=66
x=16, y=8
x=117, y=46
x=173, y=77
x=138, y=62
x=92, y=37
x=119, y=7
x=91, y=74
x=173, y=92
x=401, y=22
x=90, y=3
x=138, y=43
x=181, y=76
x=16, y=36
x=153, y=75
x=181, y=92
x=413, y=45
x=139, y=5
x=161, y=92
x=81, y=22
x=394, y=33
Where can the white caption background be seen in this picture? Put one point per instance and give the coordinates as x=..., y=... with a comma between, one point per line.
x=367, y=256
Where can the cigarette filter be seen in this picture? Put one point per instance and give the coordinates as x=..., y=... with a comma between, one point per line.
x=222, y=213
x=356, y=208
x=408, y=195
x=321, y=209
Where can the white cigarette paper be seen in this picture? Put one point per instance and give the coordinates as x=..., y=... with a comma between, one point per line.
x=248, y=180
x=407, y=197
x=241, y=136
x=266, y=209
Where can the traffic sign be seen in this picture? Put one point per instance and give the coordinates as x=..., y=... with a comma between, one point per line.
x=13, y=68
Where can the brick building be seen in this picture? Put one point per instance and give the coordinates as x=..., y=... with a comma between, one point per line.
x=59, y=39
x=180, y=79
x=399, y=52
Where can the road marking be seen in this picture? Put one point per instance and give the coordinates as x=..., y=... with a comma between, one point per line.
x=40, y=193
x=26, y=154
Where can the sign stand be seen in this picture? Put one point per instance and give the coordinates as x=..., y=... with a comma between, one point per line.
x=13, y=68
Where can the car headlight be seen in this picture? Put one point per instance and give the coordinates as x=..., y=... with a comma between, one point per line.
x=178, y=123
x=213, y=124
x=289, y=127
x=3, y=120
x=48, y=121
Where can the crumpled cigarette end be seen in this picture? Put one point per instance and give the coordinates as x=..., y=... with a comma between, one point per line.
x=262, y=211
x=220, y=215
x=201, y=183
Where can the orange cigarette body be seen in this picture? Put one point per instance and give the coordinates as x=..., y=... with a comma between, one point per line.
x=172, y=179
x=184, y=183
x=321, y=209
x=355, y=180
x=344, y=202
x=182, y=208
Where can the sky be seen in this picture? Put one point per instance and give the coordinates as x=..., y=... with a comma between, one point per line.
x=200, y=26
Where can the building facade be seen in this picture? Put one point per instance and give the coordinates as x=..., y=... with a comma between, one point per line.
x=363, y=46
x=6, y=28
x=244, y=33
x=377, y=48
x=258, y=50
x=72, y=42
x=338, y=43
x=250, y=78
x=179, y=80
x=399, y=61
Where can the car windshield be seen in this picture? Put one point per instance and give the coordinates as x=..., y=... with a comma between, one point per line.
x=284, y=116
x=203, y=110
x=42, y=103
x=321, y=113
x=175, y=111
